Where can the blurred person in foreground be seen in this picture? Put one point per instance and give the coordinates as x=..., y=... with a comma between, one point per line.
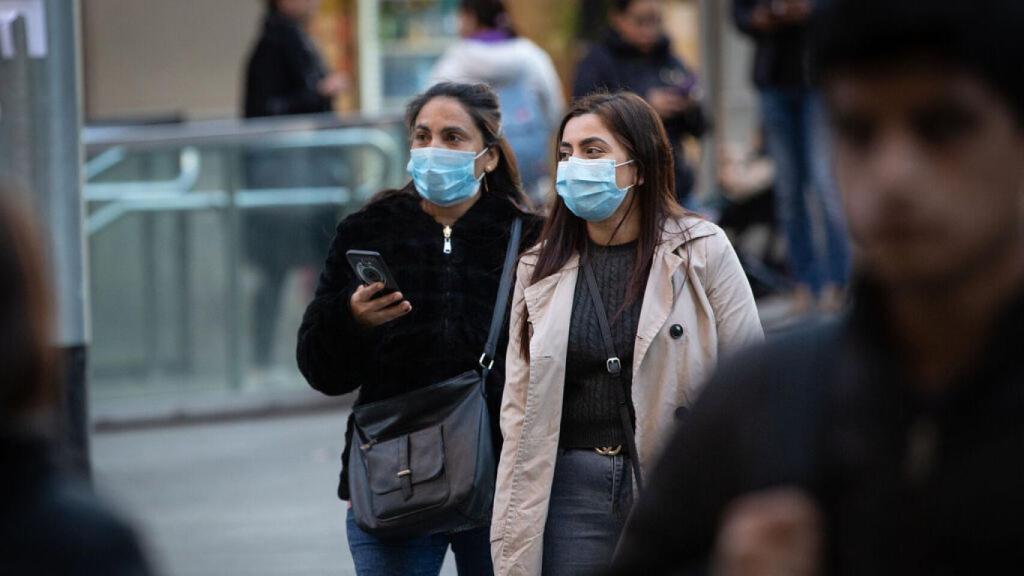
x=637, y=56
x=50, y=522
x=796, y=136
x=522, y=74
x=286, y=76
x=888, y=441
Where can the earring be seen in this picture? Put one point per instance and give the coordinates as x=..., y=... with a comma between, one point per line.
x=486, y=187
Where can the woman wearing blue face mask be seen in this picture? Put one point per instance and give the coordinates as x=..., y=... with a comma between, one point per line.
x=619, y=314
x=444, y=238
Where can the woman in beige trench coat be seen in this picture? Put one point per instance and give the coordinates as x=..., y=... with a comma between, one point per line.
x=676, y=299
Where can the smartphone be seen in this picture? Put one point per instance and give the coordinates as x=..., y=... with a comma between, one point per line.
x=370, y=268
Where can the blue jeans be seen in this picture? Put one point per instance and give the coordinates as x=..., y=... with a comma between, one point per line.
x=797, y=137
x=421, y=555
x=591, y=496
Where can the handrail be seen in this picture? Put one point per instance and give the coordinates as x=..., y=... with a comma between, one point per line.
x=178, y=194
x=189, y=166
x=229, y=131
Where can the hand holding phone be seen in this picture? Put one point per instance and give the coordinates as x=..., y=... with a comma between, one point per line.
x=378, y=300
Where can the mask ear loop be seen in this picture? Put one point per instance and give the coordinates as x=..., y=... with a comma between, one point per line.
x=483, y=175
x=634, y=184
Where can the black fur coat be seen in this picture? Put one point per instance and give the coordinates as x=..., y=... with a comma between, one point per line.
x=452, y=297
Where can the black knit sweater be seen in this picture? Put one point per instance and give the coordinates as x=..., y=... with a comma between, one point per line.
x=590, y=413
x=452, y=297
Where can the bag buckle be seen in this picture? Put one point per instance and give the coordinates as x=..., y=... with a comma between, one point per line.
x=614, y=365
x=486, y=362
x=403, y=473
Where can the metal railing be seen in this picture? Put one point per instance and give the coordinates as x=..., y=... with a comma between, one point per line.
x=208, y=162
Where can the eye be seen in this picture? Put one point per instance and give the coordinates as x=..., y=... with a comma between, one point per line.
x=857, y=133
x=593, y=151
x=454, y=138
x=942, y=127
x=564, y=155
x=420, y=137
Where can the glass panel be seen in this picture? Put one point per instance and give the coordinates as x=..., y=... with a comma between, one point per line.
x=206, y=243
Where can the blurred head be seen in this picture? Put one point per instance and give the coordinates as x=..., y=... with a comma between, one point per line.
x=466, y=117
x=619, y=126
x=26, y=357
x=301, y=10
x=638, y=22
x=480, y=15
x=927, y=109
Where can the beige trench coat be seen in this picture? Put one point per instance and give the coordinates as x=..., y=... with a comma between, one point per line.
x=695, y=281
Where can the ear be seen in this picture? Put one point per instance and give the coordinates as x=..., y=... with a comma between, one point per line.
x=492, y=157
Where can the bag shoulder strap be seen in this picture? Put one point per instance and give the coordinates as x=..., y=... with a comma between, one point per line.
x=504, y=291
x=614, y=367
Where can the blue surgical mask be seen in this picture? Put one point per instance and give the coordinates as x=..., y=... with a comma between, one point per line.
x=444, y=177
x=588, y=187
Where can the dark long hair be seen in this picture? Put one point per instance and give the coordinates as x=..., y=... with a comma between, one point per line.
x=637, y=127
x=490, y=14
x=26, y=355
x=481, y=103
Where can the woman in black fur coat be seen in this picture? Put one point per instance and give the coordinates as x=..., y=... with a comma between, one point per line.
x=443, y=238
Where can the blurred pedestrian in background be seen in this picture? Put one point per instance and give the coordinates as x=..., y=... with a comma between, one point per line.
x=50, y=521
x=618, y=316
x=796, y=136
x=888, y=441
x=524, y=77
x=285, y=75
x=444, y=238
x=637, y=56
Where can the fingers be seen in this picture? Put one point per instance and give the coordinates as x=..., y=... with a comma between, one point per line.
x=371, y=311
x=774, y=532
x=384, y=301
x=376, y=318
x=392, y=313
x=366, y=292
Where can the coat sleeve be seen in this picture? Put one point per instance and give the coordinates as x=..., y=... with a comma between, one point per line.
x=513, y=413
x=333, y=350
x=736, y=318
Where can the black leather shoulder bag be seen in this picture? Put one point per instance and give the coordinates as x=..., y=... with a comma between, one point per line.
x=425, y=461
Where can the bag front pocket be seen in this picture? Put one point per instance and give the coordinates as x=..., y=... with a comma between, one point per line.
x=407, y=473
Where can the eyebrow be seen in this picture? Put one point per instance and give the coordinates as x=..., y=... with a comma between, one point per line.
x=586, y=141
x=445, y=129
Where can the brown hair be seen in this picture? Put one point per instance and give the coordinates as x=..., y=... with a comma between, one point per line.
x=481, y=103
x=637, y=127
x=27, y=357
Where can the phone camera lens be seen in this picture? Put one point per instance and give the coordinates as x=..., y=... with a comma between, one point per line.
x=369, y=273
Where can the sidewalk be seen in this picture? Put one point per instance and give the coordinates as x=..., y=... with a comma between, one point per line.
x=246, y=498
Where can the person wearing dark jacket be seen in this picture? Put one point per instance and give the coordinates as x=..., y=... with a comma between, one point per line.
x=286, y=76
x=637, y=56
x=796, y=138
x=50, y=521
x=444, y=238
x=888, y=441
